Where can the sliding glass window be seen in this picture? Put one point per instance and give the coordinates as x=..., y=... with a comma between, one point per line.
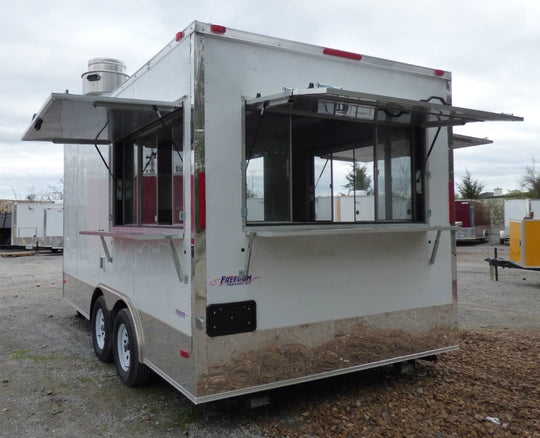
x=148, y=171
x=328, y=162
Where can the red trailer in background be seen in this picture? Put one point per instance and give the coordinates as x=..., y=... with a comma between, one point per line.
x=474, y=221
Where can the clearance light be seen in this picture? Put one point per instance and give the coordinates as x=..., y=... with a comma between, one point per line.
x=202, y=200
x=184, y=353
x=342, y=54
x=216, y=28
x=439, y=72
x=179, y=36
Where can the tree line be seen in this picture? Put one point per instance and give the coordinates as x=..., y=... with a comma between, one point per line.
x=472, y=188
x=468, y=188
x=54, y=192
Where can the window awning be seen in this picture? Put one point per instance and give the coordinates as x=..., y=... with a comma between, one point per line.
x=465, y=141
x=365, y=155
x=351, y=105
x=86, y=119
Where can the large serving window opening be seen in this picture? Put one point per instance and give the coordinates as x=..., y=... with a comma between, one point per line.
x=317, y=160
x=148, y=173
x=327, y=155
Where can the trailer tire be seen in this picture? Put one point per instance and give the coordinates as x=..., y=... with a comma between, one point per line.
x=126, y=352
x=101, y=320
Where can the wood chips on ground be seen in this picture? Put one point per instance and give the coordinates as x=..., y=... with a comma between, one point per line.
x=490, y=387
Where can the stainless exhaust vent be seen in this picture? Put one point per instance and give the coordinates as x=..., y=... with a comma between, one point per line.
x=103, y=76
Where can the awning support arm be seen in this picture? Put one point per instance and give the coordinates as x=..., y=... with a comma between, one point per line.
x=106, y=249
x=245, y=272
x=176, y=260
x=158, y=114
x=431, y=148
x=435, y=248
x=99, y=152
x=104, y=162
x=259, y=123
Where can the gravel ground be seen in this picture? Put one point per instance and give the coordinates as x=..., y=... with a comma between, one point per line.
x=52, y=385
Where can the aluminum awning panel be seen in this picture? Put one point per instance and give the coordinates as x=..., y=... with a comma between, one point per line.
x=365, y=155
x=333, y=102
x=465, y=141
x=85, y=119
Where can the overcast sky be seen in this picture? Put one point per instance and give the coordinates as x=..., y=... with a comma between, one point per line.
x=491, y=47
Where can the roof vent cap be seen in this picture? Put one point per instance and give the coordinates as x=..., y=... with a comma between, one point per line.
x=103, y=76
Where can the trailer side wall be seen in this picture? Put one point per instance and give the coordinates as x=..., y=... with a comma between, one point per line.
x=318, y=292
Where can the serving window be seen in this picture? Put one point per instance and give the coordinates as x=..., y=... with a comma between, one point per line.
x=148, y=174
x=319, y=160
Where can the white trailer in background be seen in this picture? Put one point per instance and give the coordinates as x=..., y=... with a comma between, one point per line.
x=193, y=239
x=517, y=209
x=37, y=225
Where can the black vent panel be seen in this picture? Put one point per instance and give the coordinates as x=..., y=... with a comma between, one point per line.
x=230, y=318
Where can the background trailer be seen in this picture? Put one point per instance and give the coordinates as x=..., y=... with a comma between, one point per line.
x=218, y=259
x=473, y=219
x=517, y=209
x=37, y=224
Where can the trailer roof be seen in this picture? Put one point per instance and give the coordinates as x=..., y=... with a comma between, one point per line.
x=85, y=119
x=327, y=102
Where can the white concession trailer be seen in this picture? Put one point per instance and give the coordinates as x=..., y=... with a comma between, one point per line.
x=37, y=224
x=182, y=273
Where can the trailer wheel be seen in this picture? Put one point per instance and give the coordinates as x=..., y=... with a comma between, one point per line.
x=126, y=353
x=102, y=331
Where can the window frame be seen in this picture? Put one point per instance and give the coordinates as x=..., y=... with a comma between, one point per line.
x=168, y=129
x=416, y=152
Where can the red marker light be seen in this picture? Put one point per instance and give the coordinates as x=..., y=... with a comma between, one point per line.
x=184, y=353
x=342, y=54
x=216, y=28
x=202, y=199
x=179, y=36
x=439, y=72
